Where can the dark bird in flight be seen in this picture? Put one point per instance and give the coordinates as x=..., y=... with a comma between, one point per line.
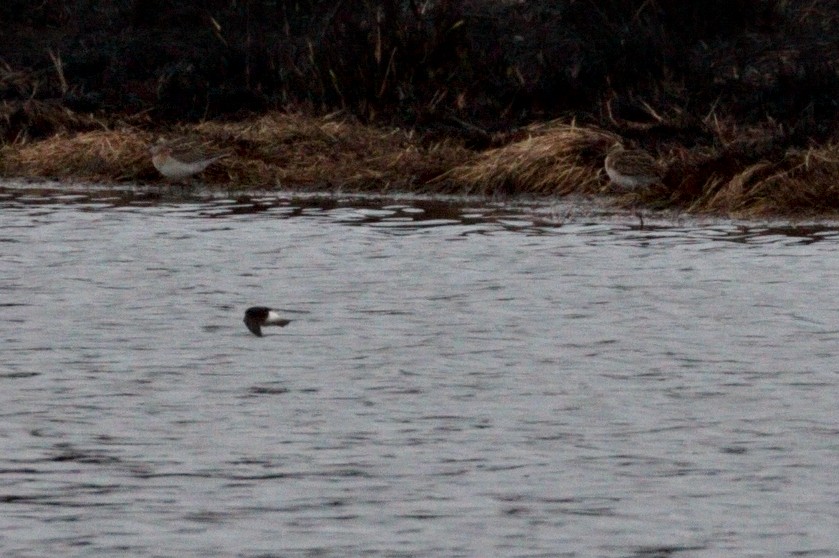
x=258, y=316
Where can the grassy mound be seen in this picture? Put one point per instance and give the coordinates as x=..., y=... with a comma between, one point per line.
x=274, y=150
x=553, y=159
x=747, y=175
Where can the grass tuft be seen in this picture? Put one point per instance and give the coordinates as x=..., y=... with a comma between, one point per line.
x=554, y=159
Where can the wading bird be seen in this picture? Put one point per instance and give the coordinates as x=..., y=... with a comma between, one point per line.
x=632, y=169
x=179, y=163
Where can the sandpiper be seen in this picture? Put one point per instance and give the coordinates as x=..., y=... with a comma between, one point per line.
x=178, y=164
x=632, y=168
x=258, y=316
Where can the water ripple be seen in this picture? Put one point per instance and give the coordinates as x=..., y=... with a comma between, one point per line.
x=460, y=378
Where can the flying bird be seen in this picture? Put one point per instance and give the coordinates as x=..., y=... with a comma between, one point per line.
x=258, y=316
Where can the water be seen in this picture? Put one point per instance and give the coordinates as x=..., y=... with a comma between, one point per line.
x=459, y=379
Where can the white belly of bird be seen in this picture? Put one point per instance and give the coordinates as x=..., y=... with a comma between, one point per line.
x=175, y=169
x=630, y=181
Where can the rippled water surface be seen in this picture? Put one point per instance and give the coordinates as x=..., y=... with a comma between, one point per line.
x=459, y=379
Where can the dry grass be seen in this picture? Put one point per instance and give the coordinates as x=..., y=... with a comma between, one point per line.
x=333, y=153
x=554, y=159
x=292, y=150
x=802, y=182
x=87, y=156
x=276, y=150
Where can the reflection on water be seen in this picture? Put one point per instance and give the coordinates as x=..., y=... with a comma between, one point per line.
x=459, y=379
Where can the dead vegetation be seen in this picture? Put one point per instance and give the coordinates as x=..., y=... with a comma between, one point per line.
x=291, y=150
x=801, y=182
x=737, y=97
x=553, y=159
x=271, y=151
x=744, y=176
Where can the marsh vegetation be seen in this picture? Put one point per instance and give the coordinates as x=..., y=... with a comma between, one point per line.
x=738, y=98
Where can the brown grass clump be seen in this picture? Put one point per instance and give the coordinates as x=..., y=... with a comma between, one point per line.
x=554, y=159
x=276, y=150
x=801, y=182
x=88, y=156
x=298, y=151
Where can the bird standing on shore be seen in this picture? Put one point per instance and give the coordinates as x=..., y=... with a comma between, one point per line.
x=258, y=316
x=178, y=164
x=632, y=168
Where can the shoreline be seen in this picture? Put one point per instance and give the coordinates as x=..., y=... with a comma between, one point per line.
x=570, y=210
x=323, y=154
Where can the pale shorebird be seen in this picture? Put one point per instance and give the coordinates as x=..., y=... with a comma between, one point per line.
x=258, y=316
x=178, y=164
x=632, y=169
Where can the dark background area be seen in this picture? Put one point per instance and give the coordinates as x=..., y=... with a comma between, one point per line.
x=690, y=71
